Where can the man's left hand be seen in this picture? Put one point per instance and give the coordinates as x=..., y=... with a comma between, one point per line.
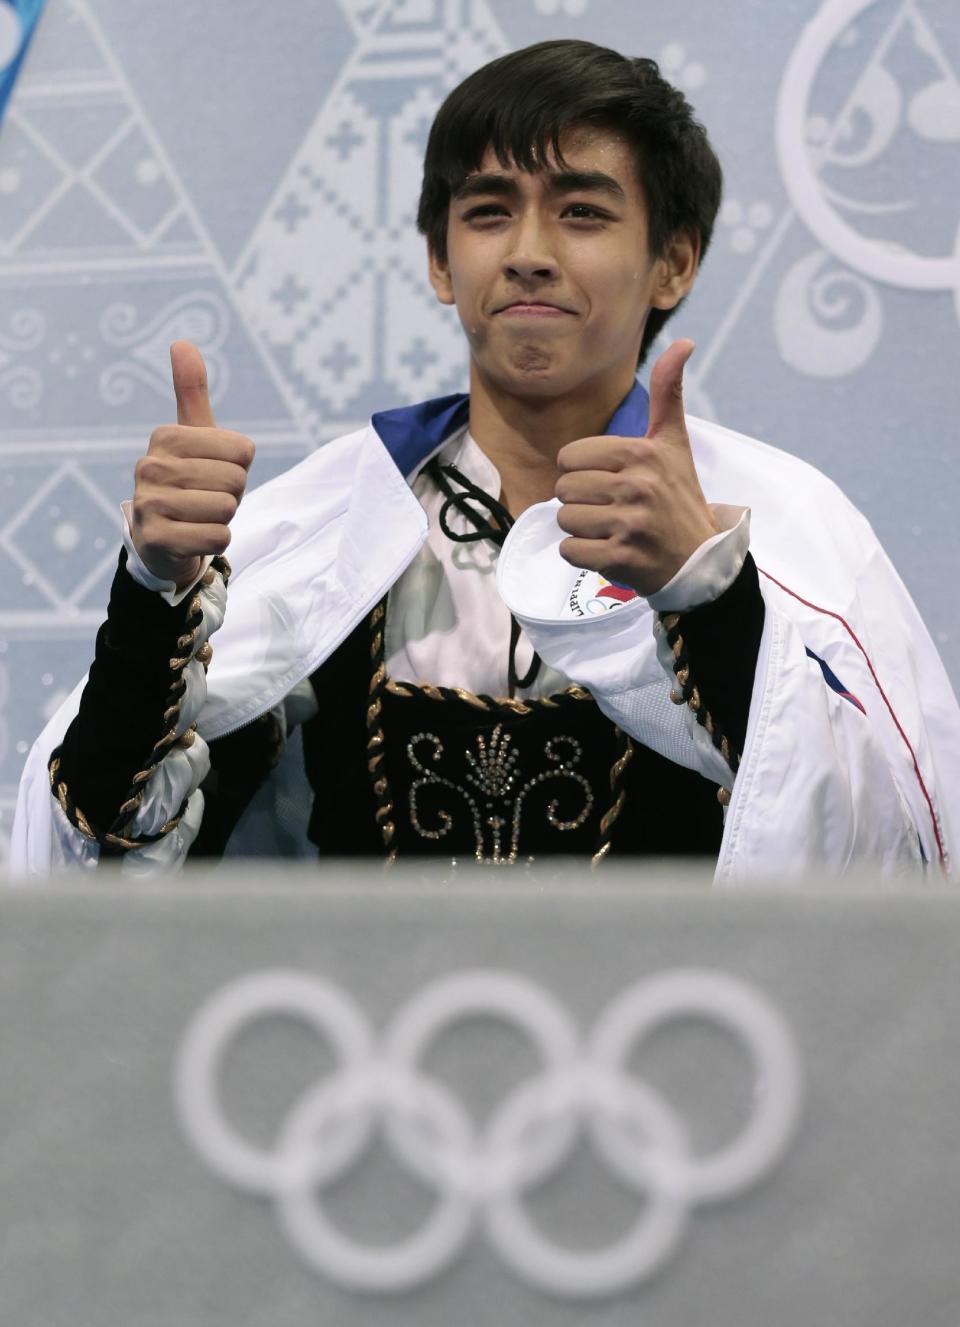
x=633, y=507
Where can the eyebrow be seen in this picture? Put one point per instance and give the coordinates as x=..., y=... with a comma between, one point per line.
x=558, y=182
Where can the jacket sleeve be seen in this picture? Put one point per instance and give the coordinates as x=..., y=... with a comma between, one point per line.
x=851, y=728
x=117, y=771
x=711, y=652
x=853, y=743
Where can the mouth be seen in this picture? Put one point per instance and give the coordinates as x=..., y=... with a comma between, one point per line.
x=533, y=309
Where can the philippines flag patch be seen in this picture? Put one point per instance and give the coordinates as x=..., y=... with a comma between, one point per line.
x=621, y=593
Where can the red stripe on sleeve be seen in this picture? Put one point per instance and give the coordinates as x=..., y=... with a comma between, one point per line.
x=883, y=695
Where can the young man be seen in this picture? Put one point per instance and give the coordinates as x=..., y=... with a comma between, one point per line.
x=611, y=673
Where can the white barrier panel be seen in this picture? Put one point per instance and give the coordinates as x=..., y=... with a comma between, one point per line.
x=358, y=1099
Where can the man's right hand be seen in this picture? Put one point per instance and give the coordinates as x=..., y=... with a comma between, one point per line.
x=189, y=484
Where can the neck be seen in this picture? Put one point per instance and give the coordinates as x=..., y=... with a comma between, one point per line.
x=523, y=434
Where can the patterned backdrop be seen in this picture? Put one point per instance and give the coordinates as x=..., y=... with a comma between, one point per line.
x=216, y=172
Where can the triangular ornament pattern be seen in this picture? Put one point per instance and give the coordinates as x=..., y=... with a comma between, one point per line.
x=334, y=273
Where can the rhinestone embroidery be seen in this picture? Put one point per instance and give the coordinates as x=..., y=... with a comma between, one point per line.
x=492, y=772
x=492, y=768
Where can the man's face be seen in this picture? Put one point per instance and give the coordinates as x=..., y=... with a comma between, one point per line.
x=551, y=273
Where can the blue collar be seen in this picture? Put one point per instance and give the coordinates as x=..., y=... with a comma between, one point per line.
x=412, y=433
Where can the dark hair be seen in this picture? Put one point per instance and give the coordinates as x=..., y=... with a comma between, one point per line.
x=520, y=104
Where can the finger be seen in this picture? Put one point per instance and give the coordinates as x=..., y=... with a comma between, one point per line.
x=594, y=554
x=190, y=507
x=197, y=473
x=184, y=539
x=210, y=476
x=610, y=453
x=597, y=486
x=586, y=521
x=666, y=390
x=190, y=385
x=211, y=444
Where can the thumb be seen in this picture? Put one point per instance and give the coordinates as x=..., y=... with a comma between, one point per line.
x=190, y=385
x=666, y=390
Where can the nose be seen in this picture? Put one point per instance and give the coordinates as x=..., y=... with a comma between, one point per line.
x=530, y=258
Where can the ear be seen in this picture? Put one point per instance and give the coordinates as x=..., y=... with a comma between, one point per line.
x=678, y=270
x=440, y=279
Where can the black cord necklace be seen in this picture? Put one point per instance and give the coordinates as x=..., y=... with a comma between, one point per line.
x=492, y=522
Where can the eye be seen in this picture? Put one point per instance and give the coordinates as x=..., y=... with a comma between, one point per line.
x=584, y=212
x=485, y=211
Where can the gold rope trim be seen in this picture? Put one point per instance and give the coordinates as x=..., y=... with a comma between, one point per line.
x=689, y=694
x=135, y=794
x=607, y=822
x=616, y=770
x=489, y=704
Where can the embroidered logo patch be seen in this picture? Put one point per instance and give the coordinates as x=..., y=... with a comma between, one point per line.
x=592, y=594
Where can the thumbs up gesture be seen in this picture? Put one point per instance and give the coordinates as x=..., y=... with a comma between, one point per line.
x=633, y=507
x=189, y=484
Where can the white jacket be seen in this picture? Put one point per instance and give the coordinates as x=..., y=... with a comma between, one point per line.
x=853, y=745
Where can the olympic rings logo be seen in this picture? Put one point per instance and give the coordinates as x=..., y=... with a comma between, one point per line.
x=480, y=1175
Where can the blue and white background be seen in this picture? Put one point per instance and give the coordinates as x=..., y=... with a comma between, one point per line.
x=245, y=175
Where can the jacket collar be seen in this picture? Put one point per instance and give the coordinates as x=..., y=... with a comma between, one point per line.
x=413, y=433
x=353, y=560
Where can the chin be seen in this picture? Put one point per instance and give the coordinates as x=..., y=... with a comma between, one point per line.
x=532, y=360
x=531, y=371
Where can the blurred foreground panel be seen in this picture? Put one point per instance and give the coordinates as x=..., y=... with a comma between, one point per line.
x=365, y=1098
